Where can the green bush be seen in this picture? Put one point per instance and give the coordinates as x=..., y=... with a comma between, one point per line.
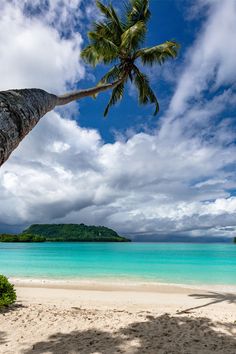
x=7, y=292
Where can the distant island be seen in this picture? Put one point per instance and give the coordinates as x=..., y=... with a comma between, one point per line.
x=64, y=233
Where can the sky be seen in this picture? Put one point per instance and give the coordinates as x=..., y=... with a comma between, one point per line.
x=147, y=177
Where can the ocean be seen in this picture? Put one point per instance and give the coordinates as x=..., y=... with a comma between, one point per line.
x=179, y=263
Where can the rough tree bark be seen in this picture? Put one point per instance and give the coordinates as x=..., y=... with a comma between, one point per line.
x=20, y=111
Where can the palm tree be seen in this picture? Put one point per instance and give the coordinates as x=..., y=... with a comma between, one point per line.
x=115, y=40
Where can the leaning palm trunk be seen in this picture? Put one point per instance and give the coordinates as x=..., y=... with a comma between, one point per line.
x=20, y=111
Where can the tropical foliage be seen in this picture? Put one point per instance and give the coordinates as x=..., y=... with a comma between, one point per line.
x=74, y=233
x=21, y=238
x=118, y=41
x=7, y=292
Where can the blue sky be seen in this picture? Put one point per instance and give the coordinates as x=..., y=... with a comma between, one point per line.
x=173, y=174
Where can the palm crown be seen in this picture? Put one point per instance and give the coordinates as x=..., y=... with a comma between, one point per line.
x=118, y=41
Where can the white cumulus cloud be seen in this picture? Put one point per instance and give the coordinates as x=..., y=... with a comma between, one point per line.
x=33, y=54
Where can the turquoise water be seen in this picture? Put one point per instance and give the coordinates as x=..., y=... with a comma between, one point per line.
x=159, y=262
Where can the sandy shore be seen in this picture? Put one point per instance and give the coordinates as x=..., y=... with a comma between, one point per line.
x=108, y=318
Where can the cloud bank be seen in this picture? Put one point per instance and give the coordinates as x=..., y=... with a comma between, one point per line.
x=33, y=51
x=179, y=179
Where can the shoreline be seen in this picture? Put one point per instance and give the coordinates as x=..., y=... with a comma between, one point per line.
x=117, y=285
x=125, y=296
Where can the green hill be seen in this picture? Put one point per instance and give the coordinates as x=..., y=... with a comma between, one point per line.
x=74, y=233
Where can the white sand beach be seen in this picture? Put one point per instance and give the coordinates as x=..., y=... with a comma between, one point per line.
x=68, y=318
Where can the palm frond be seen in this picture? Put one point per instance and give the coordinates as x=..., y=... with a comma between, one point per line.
x=105, y=10
x=108, y=30
x=145, y=92
x=158, y=54
x=103, y=29
x=138, y=10
x=90, y=55
x=113, y=74
x=116, y=19
x=110, y=14
x=133, y=36
x=105, y=48
x=117, y=94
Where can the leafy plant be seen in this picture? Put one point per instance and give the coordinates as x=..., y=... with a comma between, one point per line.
x=7, y=292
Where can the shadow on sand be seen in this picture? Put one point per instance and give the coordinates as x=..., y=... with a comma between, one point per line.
x=2, y=338
x=214, y=298
x=11, y=308
x=156, y=335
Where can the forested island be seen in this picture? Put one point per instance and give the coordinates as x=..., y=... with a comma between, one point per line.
x=64, y=233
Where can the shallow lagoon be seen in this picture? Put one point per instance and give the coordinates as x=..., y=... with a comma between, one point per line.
x=157, y=262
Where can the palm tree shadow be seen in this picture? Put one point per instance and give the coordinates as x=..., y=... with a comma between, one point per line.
x=2, y=337
x=214, y=297
x=86, y=342
x=180, y=335
x=162, y=334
